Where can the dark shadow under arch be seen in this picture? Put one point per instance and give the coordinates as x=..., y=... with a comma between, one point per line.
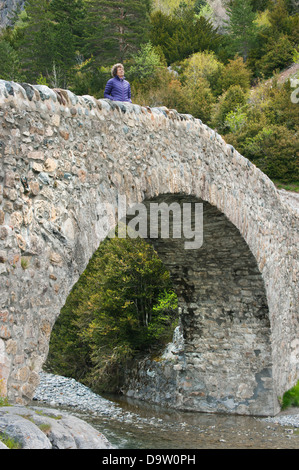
x=227, y=361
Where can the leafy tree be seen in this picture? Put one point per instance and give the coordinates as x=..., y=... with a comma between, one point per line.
x=275, y=151
x=162, y=89
x=202, y=64
x=122, y=305
x=73, y=13
x=230, y=101
x=265, y=130
x=278, y=55
x=235, y=72
x=259, y=5
x=38, y=40
x=200, y=100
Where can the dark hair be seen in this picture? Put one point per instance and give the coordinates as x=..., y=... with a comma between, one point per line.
x=114, y=69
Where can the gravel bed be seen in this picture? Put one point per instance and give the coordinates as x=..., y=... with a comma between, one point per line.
x=56, y=390
x=285, y=419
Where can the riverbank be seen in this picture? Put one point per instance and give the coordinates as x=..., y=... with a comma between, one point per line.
x=131, y=424
x=56, y=390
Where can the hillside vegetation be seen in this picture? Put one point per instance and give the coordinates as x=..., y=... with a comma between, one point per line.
x=210, y=59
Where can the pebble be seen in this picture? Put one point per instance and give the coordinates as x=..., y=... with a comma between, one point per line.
x=57, y=390
x=285, y=420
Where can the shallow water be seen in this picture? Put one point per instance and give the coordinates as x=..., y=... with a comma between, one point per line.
x=144, y=426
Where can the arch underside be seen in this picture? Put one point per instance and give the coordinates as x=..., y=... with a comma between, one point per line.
x=226, y=365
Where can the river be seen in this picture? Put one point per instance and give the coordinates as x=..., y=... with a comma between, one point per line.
x=144, y=426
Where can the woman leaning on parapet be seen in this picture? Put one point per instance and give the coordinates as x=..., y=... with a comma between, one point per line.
x=117, y=88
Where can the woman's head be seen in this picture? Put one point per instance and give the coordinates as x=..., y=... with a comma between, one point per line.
x=117, y=69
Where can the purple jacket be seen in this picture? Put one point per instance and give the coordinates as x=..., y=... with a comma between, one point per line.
x=118, y=89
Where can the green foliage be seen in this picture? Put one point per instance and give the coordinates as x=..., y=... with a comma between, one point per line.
x=279, y=55
x=180, y=37
x=277, y=40
x=114, y=29
x=199, y=99
x=230, y=101
x=49, y=40
x=235, y=120
x=241, y=27
x=235, y=73
x=201, y=65
x=275, y=151
x=264, y=130
x=291, y=397
x=145, y=63
x=122, y=305
x=10, y=442
x=10, y=64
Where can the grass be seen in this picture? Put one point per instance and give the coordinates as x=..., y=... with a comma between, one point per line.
x=291, y=397
x=294, y=186
x=4, y=401
x=45, y=428
x=10, y=442
x=25, y=262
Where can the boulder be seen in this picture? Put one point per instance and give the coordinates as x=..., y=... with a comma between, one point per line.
x=45, y=428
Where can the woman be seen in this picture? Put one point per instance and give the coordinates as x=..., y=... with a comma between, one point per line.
x=117, y=88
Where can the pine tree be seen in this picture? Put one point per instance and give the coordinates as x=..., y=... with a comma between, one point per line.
x=51, y=36
x=241, y=27
x=71, y=12
x=38, y=39
x=181, y=36
x=115, y=29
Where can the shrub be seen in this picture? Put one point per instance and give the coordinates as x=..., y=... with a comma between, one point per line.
x=275, y=150
x=235, y=73
x=230, y=101
x=278, y=55
x=291, y=397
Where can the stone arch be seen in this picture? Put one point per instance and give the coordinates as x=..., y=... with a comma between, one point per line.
x=64, y=157
x=226, y=364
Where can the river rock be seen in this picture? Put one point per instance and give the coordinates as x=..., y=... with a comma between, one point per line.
x=45, y=428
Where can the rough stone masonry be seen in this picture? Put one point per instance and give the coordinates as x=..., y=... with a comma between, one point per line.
x=62, y=158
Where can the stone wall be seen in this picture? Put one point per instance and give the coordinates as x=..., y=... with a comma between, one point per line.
x=63, y=158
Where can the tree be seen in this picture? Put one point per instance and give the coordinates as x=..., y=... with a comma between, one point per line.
x=37, y=43
x=235, y=72
x=72, y=12
x=115, y=29
x=181, y=36
x=231, y=100
x=202, y=65
x=50, y=39
x=241, y=27
x=122, y=305
x=145, y=63
x=10, y=63
x=277, y=39
x=199, y=100
x=265, y=130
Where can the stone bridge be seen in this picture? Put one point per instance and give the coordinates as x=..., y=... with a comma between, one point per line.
x=64, y=158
